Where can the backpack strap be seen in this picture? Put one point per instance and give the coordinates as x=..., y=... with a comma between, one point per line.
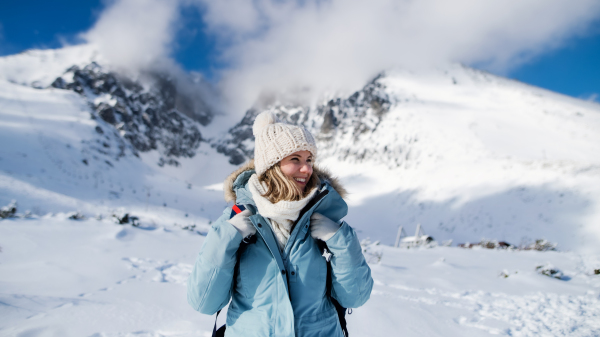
x=250, y=239
x=265, y=232
x=341, y=311
x=221, y=331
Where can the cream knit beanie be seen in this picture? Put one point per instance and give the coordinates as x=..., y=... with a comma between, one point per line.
x=276, y=140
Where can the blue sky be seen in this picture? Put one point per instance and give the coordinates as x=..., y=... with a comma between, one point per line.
x=573, y=69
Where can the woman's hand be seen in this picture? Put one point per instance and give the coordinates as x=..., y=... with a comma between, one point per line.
x=242, y=223
x=321, y=227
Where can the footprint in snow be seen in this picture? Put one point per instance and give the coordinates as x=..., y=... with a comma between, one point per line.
x=125, y=235
x=165, y=271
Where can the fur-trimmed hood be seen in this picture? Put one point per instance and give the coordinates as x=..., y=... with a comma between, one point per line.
x=323, y=174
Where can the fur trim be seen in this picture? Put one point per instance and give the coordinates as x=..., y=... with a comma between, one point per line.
x=325, y=175
x=322, y=173
x=228, y=183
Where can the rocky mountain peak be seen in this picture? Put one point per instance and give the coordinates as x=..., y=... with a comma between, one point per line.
x=156, y=116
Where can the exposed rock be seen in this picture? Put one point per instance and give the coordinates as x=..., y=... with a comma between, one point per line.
x=122, y=219
x=337, y=124
x=76, y=216
x=541, y=245
x=152, y=118
x=9, y=211
x=488, y=244
x=550, y=271
x=239, y=142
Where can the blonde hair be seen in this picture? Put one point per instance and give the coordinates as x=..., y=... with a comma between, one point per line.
x=280, y=187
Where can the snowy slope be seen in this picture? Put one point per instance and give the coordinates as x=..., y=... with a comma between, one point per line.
x=39, y=68
x=56, y=158
x=466, y=154
x=488, y=158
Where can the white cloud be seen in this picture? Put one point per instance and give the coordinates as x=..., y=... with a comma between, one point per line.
x=593, y=97
x=302, y=47
x=135, y=34
x=227, y=18
x=138, y=36
x=340, y=44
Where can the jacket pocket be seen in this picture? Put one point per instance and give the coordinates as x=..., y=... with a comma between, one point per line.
x=250, y=323
x=324, y=324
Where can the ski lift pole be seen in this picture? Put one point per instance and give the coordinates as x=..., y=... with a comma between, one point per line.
x=418, y=231
x=418, y=235
x=398, y=236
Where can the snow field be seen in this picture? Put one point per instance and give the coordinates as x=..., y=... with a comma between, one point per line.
x=95, y=278
x=463, y=292
x=86, y=278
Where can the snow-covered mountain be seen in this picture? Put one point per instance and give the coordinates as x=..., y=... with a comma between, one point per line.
x=77, y=135
x=466, y=154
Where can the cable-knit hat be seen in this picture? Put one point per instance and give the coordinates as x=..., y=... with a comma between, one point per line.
x=276, y=140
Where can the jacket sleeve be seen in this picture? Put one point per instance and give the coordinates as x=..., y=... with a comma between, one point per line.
x=209, y=284
x=351, y=276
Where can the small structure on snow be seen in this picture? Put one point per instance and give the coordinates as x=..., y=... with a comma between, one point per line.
x=419, y=239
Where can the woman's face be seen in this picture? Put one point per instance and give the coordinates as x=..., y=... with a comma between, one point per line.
x=298, y=168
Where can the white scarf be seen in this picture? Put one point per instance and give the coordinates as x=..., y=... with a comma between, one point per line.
x=281, y=214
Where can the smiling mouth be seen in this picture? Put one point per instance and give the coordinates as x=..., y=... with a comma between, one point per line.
x=300, y=180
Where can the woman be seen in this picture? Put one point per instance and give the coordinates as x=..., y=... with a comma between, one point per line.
x=277, y=283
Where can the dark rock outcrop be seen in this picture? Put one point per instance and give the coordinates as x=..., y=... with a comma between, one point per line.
x=151, y=117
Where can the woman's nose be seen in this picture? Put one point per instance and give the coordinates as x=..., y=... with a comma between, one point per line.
x=306, y=168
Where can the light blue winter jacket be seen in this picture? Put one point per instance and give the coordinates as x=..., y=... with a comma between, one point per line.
x=279, y=294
